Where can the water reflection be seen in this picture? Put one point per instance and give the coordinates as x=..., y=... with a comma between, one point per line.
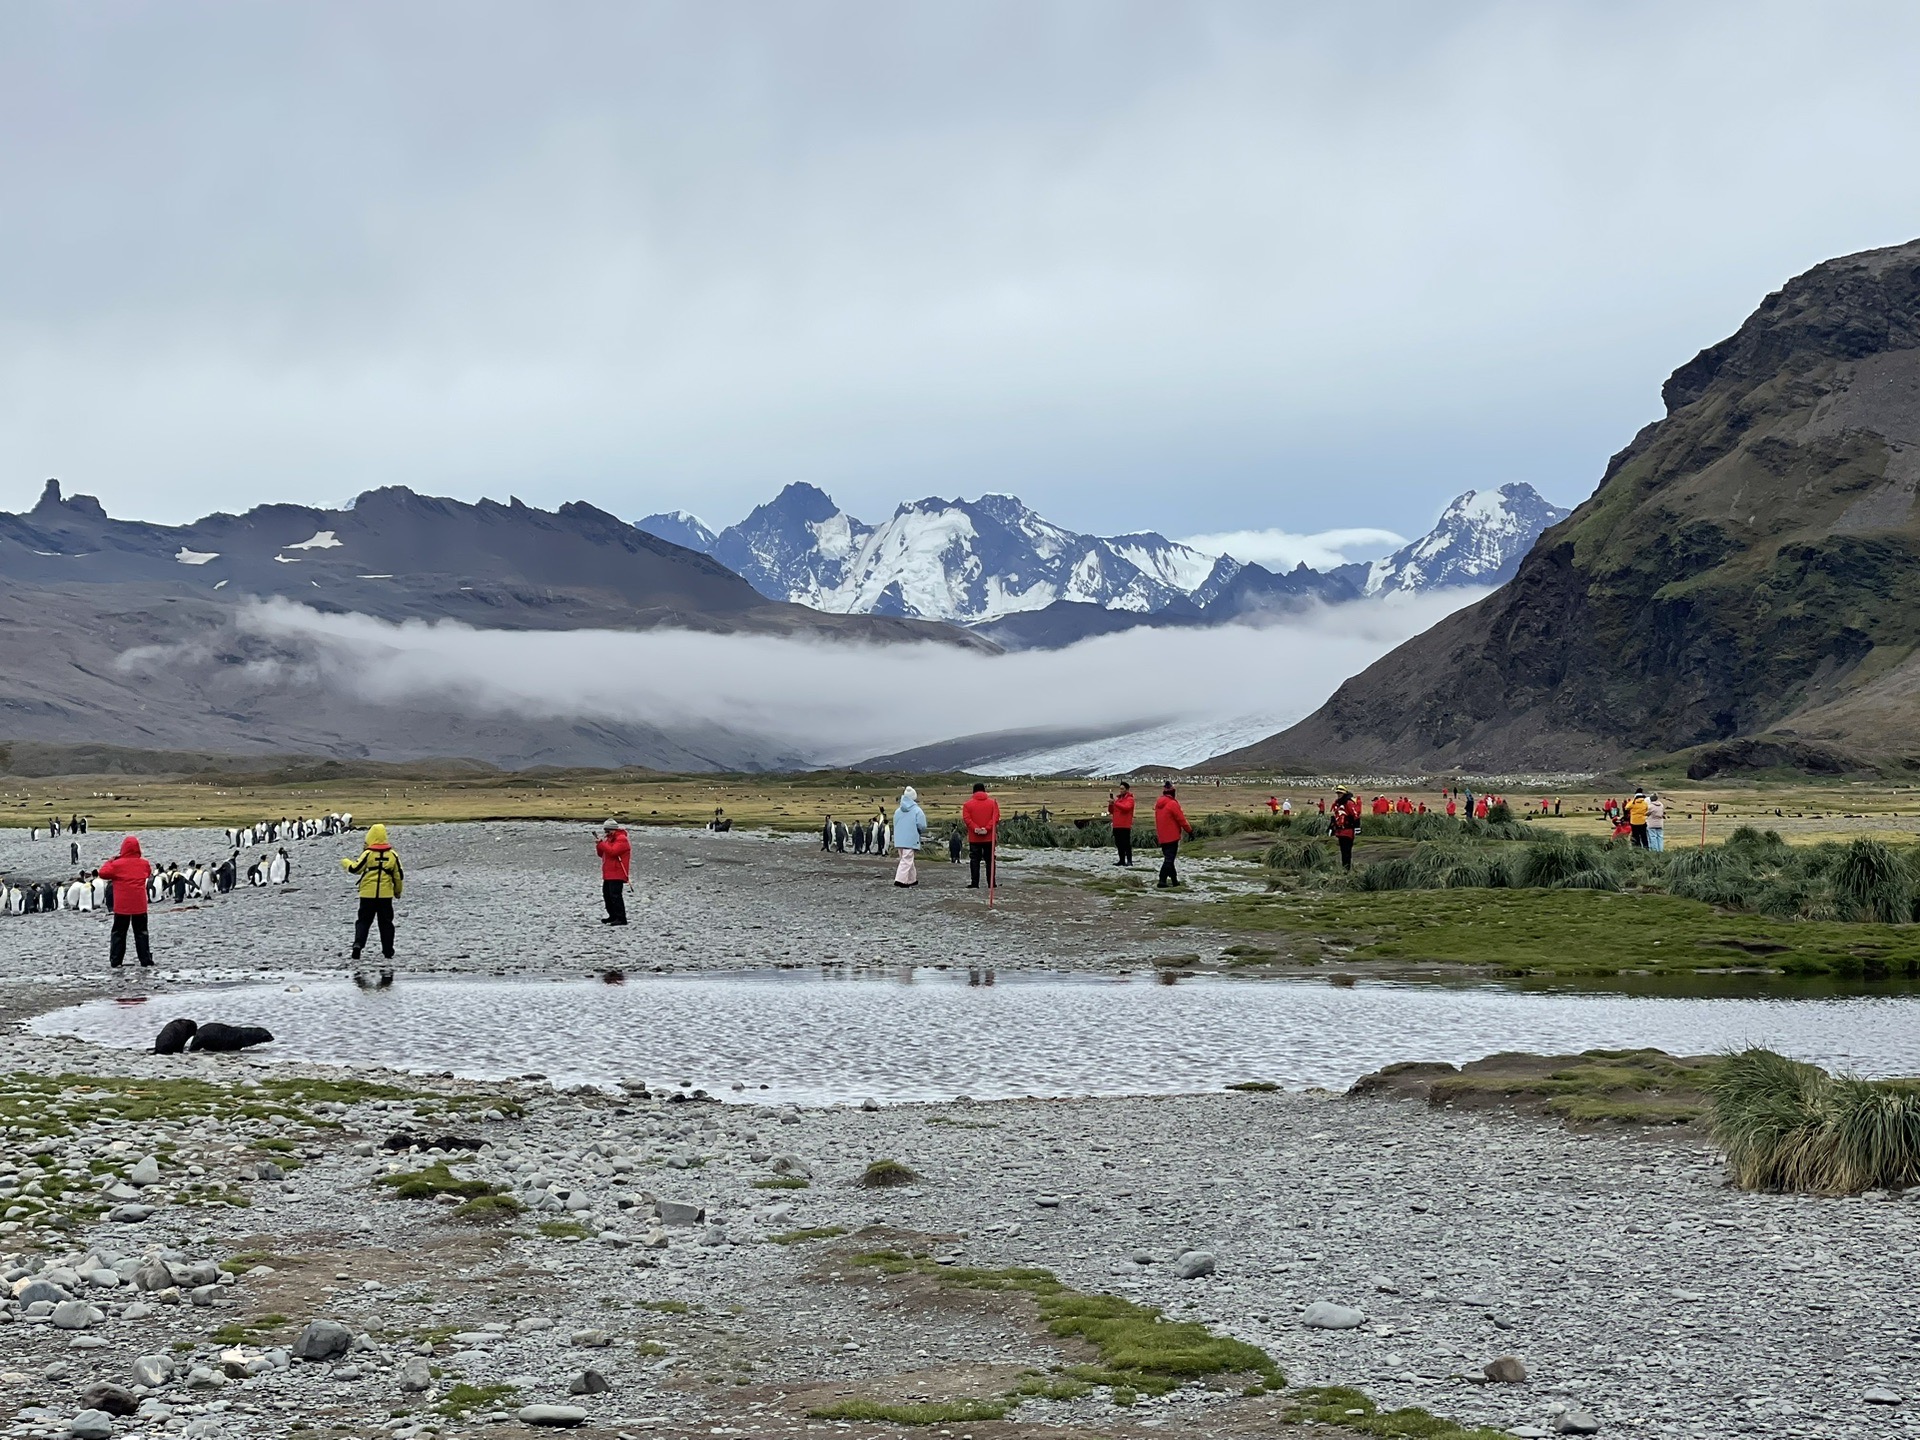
x=949, y=1032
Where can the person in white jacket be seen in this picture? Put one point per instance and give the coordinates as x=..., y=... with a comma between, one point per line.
x=909, y=831
x=1656, y=823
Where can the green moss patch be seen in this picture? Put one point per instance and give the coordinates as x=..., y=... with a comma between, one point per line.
x=781, y=1182
x=801, y=1237
x=473, y=1397
x=925, y=1412
x=1140, y=1350
x=488, y=1207
x=435, y=1180
x=1573, y=932
x=1339, y=1405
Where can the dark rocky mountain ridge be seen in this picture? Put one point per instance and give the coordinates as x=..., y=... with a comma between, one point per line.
x=80, y=592
x=1743, y=586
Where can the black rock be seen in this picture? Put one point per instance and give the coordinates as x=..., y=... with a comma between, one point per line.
x=171, y=1040
x=215, y=1036
x=110, y=1398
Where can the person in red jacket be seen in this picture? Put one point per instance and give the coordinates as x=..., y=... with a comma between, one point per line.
x=1120, y=812
x=981, y=818
x=1273, y=804
x=1345, y=823
x=128, y=874
x=1169, y=824
x=616, y=869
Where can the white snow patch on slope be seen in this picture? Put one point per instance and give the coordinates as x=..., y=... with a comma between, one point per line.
x=1176, y=743
x=195, y=557
x=319, y=540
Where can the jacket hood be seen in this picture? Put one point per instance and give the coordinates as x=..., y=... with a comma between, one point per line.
x=377, y=837
x=131, y=846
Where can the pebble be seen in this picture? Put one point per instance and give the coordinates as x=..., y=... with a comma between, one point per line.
x=1576, y=1422
x=416, y=1376
x=91, y=1425
x=588, y=1382
x=152, y=1371
x=1880, y=1395
x=1505, y=1370
x=145, y=1172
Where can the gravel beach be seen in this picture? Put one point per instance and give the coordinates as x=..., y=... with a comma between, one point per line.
x=703, y=1261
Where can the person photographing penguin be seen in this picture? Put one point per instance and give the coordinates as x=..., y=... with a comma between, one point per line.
x=381, y=881
x=616, y=870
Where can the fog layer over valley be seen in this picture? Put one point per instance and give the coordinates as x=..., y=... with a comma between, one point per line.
x=683, y=699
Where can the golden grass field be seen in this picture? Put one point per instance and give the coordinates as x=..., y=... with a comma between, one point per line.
x=1806, y=812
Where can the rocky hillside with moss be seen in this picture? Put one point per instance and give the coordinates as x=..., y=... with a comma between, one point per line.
x=1742, y=586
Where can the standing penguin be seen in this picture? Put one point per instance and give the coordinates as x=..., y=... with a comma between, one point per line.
x=279, y=869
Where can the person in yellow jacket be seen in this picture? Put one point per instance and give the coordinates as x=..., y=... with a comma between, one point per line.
x=381, y=881
x=1637, y=817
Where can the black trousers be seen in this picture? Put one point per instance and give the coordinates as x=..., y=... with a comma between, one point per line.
x=1640, y=836
x=979, y=853
x=1123, y=843
x=1346, y=852
x=363, y=922
x=1169, y=852
x=117, y=945
x=615, y=892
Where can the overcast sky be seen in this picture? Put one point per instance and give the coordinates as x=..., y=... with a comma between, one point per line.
x=1188, y=267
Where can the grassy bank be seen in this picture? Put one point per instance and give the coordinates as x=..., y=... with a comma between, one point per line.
x=1432, y=891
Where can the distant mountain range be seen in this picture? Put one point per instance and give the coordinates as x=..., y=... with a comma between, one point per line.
x=80, y=591
x=996, y=565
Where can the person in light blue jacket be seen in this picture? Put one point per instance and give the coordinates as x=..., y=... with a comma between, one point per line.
x=909, y=830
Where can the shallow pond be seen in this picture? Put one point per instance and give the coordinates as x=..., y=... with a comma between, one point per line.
x=932, y=1035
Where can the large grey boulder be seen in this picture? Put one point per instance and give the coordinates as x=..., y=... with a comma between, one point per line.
x=676, y=1212
x=1325, y=1315
x=75, y=1315
x=1193, y=1264
x=322, y=1340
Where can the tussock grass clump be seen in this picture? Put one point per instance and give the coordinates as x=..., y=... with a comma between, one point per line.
x=885, y=1175
x=1789, y=1126
x=1552, y=864
x=1298, y=857
x=1870, y=883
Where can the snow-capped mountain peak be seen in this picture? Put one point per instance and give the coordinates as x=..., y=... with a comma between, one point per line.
x=958, y=560
x=1478, y=540
x=678, y=527
x=976, y=561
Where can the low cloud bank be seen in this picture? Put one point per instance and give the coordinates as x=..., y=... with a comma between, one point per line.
x=838, y=701
x=1282, y=549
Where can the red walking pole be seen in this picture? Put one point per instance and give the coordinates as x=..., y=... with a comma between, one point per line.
x=993, y=861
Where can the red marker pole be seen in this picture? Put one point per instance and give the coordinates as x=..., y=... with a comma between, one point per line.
x=993, y=861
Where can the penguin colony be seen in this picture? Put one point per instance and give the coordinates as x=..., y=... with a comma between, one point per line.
x=170, y=883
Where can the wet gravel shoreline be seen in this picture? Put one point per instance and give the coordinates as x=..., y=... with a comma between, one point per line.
x=1633, y=1284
